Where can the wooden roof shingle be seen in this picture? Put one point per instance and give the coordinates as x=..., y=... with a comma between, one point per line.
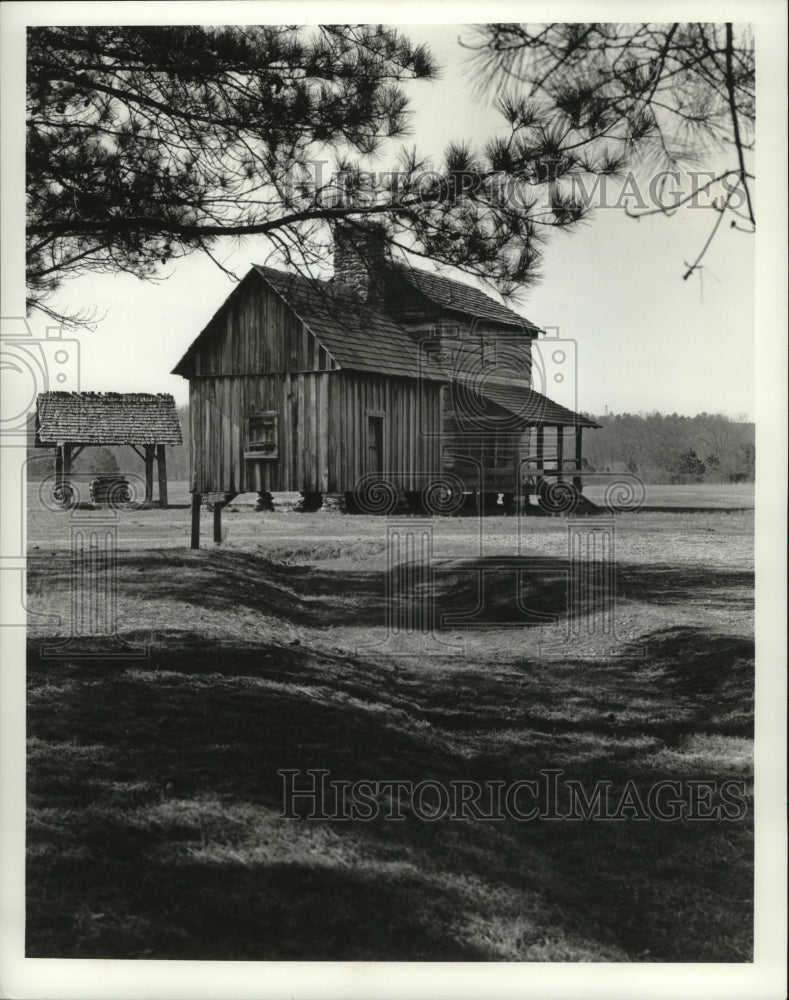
x=359, y=336
x=365, y=337
x=107, y=418
x=455, y=296
x=530, y=407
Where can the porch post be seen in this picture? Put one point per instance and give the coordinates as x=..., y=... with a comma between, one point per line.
x=540, y=454
x=578, y=458
x=161, y=462
x=560, y=453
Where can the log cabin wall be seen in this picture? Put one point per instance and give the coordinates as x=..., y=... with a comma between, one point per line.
x=475, y=350
x=493, y=444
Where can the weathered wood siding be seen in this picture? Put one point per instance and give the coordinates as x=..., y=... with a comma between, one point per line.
x=412, y=429
x=219, y=410
x=484, y=450
x=485, y=453
x=256, y=333
x=259, y=357
x=322, y=438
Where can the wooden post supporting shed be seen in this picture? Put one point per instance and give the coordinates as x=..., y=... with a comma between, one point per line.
x=59, y=478
x=149, y=452
x=161, y=463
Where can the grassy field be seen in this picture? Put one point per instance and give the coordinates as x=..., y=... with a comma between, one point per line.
x=154, y=802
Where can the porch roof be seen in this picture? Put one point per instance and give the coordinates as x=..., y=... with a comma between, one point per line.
x=530, y=407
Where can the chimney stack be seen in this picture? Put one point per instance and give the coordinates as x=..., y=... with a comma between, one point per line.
x=360, y=257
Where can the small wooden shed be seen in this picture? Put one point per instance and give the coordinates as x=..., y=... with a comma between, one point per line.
x=72, y=421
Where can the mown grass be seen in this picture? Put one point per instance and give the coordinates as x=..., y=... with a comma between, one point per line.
x=154, y=824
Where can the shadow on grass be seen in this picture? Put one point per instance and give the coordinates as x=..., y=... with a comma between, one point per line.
x=500, y=591
x=154, y=806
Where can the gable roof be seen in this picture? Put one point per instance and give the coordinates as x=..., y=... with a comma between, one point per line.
x=359, y=337
x=107, y=418
x=362, y=337
x=455, y=296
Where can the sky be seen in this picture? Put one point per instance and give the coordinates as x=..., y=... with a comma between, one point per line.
x=643, y=338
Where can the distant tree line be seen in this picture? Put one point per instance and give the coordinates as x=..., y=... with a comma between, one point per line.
x=669, y=448
x=661, y=448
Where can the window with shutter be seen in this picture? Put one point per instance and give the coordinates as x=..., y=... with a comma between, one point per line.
x=262, y=439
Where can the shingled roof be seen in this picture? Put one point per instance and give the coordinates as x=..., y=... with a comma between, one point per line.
x=455, y=296
x=359, y=337
x=363, y=337
x=106, y=418
x=530, y=407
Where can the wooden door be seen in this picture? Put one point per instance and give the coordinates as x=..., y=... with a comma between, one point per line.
x=375, y=445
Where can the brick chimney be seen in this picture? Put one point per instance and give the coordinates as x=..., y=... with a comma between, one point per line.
x=360, y=258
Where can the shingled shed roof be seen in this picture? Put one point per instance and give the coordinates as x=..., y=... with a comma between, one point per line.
x=455, y=296
x=358, y=337
x=107, y=418
x=531, y=407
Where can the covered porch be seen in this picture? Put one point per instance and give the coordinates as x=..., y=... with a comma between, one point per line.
x=516, y=441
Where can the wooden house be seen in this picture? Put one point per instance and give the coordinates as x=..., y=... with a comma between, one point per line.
x=385, y=380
